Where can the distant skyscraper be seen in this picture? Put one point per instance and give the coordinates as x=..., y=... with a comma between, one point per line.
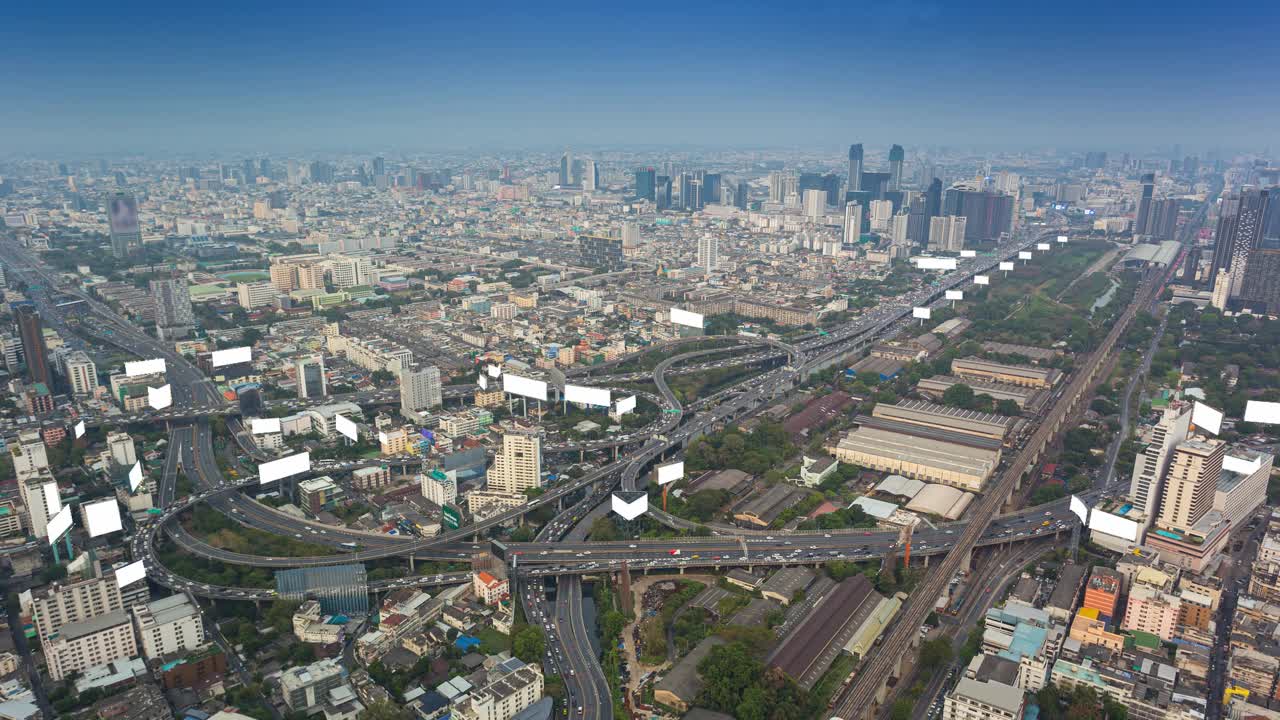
x=896, y=157
x=419, y=390
x=740, y=194
x=603, y=252
x=566, y=168
x=662, y=192
x=590, y=177
x=1246, y=236
x=174, y=316
x=122, y=221
x=852, y=223
x=34, y=350
x=646, y=184
x=311, y=381
x=1095, y=160
x=917, y=231
x=708, y=253
x=815, y=204
x=855, y=167
x=379, y=166
x=989, y=214
x=933, y=199
x=1143, y=217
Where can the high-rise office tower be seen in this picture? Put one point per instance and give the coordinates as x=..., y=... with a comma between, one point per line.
x=663, y=192
x=249, y=172
x=933, y=199
x=264, y=168
x=1143, y=216
x=989, y=214
x=852, y=223
x=590, y=176
x=379, y=166
x=174, y=316
x=711, y=188
x=896, y=157
x=646, y=183
x=777, y=187
x=31, y=329
x=1163, y=223
x=518, y=467
x=1095, y=160
x=855, y=167
x=122, y=222
x=1150, y=465
x=566, y=169
x=881, y=213
x=946, y=233
x=740, y=194
x=419, y=390
x=311, y=380
x=708, y=253
x=1190, y=483
x=917, y=220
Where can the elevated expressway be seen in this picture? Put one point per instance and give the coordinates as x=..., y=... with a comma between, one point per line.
x=746, y=397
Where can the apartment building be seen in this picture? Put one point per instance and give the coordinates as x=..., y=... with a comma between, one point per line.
x=168, y=625
x=88, y=643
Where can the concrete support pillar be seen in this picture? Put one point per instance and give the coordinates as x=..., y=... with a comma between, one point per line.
x=413, y=568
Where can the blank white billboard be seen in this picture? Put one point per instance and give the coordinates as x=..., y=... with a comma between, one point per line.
x=130, y=574
x=1042, y=246
x=955, y=294
x=494, y=370
x=599, y=397
x=103, y=517
x=161, y=397
x=1080, y=509
x=52, y=501
x=346, y=427
x=1006, y=265
x=920, y=312
x=1105, y=522
x=1024, y=254
x=1062, y=238
x=625, y=405
x=1257, y=411
x=630, y=510
x=935, y=263
x=135, y=476
x=232, y=356
x=526, y=387
x=981, y=280
x=968, y=253
x=686, y=318
x=284, y=467
x=79, y=429
x=59, y=524
x=483, y=382
x=1206, y=418
x=670, y=473
x=1240, y=465
x=265, y=425
x=382, y=437
x=134, y=368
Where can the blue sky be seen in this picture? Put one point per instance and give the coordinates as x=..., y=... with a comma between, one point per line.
x=149, y=76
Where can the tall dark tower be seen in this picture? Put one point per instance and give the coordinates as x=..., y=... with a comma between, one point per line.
x=933, y=199
x=646, y=183
x=31, y=329
x=855, y=167
x=1144, y=205
x=896, y=157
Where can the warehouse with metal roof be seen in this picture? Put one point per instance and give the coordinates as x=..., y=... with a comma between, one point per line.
x=808, y=651
x=1028, y=375
x=945, y=417
x=941, y=500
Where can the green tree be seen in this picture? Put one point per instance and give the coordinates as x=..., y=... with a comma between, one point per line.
x=604, y=530
x=385, y=710
x=935, y=654
x=1008, y=407
x=529, y=644
x=958, y=395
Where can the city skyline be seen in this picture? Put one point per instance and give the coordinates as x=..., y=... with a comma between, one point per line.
x=449, y=78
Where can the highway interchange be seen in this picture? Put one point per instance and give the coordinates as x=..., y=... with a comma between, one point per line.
x=556, y=553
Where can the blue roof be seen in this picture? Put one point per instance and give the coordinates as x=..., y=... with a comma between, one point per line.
x=466, y=642
x=1027, y=641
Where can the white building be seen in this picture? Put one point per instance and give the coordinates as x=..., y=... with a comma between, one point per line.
x=440, y=487
x=708, y=253
x=89, y=643
x=35, y=492
x=60, y=604
x=122, y=449
x=519, y=466
x=505, y=695
x=815, y=204
x=168, y=625
x=28, y=454
x=82, y=373
x=306, y=688
x=977, y=700
x=881, y=212
x=255, y=294
x=419, y=390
